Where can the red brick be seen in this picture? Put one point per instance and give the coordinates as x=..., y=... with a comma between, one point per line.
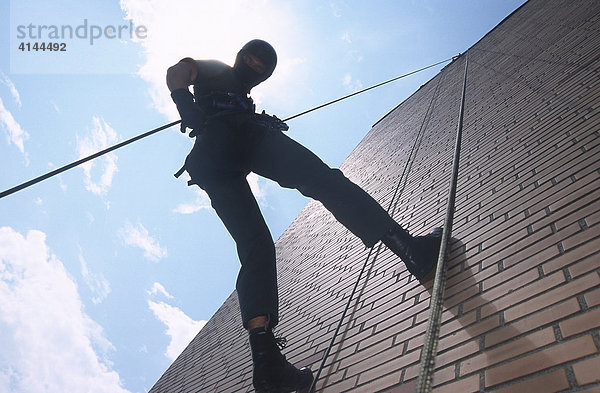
x=553, y=296
x=588, y=320
x=495, y=253
x=522, y=294
x=416, y=342
x=508, y=351
x=412, y=372
x=593, y=219
x=370, y=382
x=411, y=333
x=586, y=265
x=595, y=389
x=532, y=321
x=465, y=385
x=508, y=286
x=385, y=362
x=460, y=352
x=587, y=371
x=534, y=248
x=577, y=210
x=555, y=355
x=457, y=324
x=366, y=352
x=516, y=267
x=580, y=238
x=572, y=256
x=469, y=332
x=398, y=322
x=444, y=375
x=342, y=386
x=592, y=298
x=467, y=291
x=547, y=383
x=409, y=387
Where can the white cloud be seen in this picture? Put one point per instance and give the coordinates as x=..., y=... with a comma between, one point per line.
x=16, y=134
x=95, y=282
x=158, y=288
x=180, y=328
x=258, y=191
x=138, y=236
x=202, y=201
x=346, y=37
x=352, y=84
x=102, y=136
x=13, y=89
x=49, y=344
x=336, y=10
x=61, y=183
x=220, y=28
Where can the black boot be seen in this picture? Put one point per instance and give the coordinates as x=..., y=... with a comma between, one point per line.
x=419, y=254
x=272, y=372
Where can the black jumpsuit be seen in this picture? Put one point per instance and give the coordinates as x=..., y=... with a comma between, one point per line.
x=230, y=147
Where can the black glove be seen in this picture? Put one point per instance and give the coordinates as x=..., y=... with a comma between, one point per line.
x=191, y=115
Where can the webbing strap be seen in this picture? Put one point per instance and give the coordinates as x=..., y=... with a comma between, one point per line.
x=428, y=353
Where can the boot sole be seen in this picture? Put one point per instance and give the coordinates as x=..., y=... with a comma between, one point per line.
x=428, y=277
x=305, y=389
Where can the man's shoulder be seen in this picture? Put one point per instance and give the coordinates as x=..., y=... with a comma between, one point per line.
x=208, y=68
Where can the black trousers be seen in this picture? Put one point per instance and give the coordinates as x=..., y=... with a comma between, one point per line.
x=225, y=153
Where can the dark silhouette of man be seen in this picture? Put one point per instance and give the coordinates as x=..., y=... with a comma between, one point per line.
x=232, y=141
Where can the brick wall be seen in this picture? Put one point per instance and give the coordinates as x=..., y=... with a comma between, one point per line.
x=522, y=301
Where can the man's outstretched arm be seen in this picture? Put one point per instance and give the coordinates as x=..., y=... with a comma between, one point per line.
x=179, y=78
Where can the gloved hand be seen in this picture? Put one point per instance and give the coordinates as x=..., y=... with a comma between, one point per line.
x=191, y=115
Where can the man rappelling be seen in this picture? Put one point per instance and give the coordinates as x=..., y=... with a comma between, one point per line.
x=231, y=140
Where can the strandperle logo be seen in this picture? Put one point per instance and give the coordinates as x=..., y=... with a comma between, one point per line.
x=85, y=31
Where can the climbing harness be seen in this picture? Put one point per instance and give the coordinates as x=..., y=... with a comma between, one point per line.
x=270, y=122
x=220, y=100
x=428, y=353
x=154, y=131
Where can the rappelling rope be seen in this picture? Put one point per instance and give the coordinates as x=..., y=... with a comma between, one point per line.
x=428, y=353
x=392, y=206
x=154, y=131
x=85, y=159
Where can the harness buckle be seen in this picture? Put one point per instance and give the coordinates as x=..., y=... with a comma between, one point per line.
x=271, y=122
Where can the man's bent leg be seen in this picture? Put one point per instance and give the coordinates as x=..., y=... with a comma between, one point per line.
x=284, y=160
x=256, y=285
x=292, y=165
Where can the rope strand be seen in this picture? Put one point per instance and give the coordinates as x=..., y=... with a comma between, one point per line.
x=428, y=353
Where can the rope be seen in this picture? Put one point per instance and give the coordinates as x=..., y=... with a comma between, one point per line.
x=366, y=89
x=391, y=208
x=154, y=131
x=85, y=159
x=425, y=381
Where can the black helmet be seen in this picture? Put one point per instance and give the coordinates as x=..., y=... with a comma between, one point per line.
x=265, y=52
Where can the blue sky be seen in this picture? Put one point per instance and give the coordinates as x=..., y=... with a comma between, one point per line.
x=108, y=270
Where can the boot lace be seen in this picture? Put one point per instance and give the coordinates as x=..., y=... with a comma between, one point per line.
x=281, y=342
